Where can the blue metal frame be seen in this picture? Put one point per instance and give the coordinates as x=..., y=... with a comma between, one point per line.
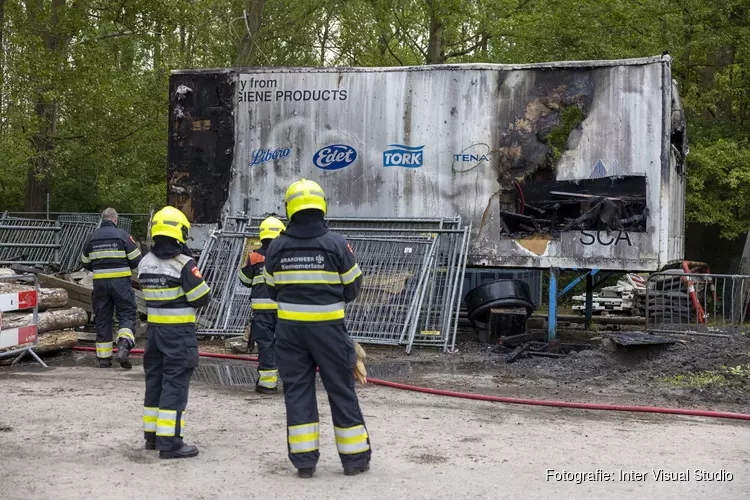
x=553, y=296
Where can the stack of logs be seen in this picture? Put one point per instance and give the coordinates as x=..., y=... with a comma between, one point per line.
x=56, y=319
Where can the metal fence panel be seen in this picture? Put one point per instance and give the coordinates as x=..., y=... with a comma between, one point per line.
x=696, y=303
x=29, y=242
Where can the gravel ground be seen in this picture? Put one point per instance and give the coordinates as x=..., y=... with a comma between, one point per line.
x=73, y=432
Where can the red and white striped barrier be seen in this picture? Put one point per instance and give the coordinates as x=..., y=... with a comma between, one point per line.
x=20, y=340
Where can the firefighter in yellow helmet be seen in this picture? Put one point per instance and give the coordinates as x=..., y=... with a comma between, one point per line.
x=264, y=308
x=312, y=273
x=173, y=288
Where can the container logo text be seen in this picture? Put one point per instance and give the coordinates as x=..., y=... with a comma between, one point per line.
x=334, y=157
x=403, y=156
x=263, y=155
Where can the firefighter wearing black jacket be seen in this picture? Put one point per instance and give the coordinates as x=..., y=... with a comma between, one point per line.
x=312, y=273
x=112, y=255
x=264, y=309
x=173, y=288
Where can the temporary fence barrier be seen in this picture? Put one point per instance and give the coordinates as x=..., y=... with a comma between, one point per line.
x=413, y=271
x=29, y=242
x=21, y=340
x=697, y=303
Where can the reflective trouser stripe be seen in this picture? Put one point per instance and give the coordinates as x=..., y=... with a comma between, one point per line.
x=150, y=416
x=351, y=275
x=125, y=333
x=351, y=440
x=308, y=312
x=171, y=316
x=303, y=438
x=104, y=349
x=268, y=378
x=166, y=423
x=115, y=272
x=263, y=304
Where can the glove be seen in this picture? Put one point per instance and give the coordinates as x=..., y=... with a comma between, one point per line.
x=360, y=372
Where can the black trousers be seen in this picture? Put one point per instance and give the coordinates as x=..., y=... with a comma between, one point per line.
x=300, y=348
x=112, y=295
x=264, y=327
x=169, y=359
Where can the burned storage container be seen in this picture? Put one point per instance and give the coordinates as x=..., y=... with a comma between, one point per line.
x=567, y=164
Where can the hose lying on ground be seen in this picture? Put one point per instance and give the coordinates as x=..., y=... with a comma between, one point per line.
x=500, y=399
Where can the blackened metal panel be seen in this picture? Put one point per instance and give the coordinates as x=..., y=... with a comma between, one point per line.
x=201, y=144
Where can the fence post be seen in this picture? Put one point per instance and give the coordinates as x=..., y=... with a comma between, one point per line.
x=552, y=319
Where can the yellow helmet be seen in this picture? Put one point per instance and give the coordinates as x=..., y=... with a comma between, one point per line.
x=171, y=222
x=270, y=228
x=302, y=195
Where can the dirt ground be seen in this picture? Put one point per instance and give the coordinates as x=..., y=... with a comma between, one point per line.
x=74, y=431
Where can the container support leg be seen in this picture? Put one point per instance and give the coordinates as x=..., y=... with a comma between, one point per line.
x=552, y=319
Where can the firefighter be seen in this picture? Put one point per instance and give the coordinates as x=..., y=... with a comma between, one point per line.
x=111, y=254
x=173, y=288
x=312, y=273
x=264, y=309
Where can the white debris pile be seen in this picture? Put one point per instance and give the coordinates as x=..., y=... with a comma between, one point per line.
x=617, y=300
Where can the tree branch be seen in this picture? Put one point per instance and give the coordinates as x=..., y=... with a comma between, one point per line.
x=469, y=50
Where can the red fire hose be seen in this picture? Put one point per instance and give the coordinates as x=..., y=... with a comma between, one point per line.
x=499, y=399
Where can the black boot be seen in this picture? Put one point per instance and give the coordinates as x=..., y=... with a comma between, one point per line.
x=123, y=351
x=353, y=471
x=105, y=363
x=150, y=444
x=186, y=451
x=306, y=473
x=266, y=390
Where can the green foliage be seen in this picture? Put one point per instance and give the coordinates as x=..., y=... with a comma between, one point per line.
x=570, y=118
x=83, y=85
x=726, y=376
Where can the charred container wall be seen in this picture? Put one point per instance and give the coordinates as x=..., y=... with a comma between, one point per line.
x=577, y=164
x=201, y=143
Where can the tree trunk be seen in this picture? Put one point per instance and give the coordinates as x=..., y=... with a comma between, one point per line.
x=48, y=297
x=435, y=53
x=49, y=320
x=2, y=60
x=56, y=341
x=249, y=52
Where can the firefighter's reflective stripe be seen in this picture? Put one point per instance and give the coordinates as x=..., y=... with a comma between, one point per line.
x=167, y=316
x=268, y=378
x=150, y=416
x=304, y=438
x=259, y=280
x=351, y=275
x=166, y=423
x=104, y=349
x=162, y=293
x=85, y=259
x=198, y=292
x=126, y=333
x=268, y=277
x=108, y=254
x=134, y=254
x=306, y=278
x=351, y=440
x=261, y=304
x=244, y=278
x=309, y=312
x=115, y=272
